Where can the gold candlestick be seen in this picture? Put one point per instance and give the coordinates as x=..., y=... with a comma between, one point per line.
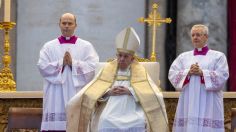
x=154, y=19
x=7, y=82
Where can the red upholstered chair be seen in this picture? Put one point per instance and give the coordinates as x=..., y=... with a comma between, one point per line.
x=24, y=118
x=233, y=120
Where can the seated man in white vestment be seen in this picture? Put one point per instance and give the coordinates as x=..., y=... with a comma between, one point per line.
x=122, y=98
x=200, y=75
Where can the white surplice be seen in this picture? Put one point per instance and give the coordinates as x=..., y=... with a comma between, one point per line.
x=60, y=86
x=200, y=105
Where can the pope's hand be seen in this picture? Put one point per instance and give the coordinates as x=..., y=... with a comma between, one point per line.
x=119, y=90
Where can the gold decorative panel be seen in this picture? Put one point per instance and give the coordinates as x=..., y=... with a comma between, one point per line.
x=171, y=99
x=5, y=104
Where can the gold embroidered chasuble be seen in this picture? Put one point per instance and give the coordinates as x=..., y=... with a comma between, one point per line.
x=79, y=111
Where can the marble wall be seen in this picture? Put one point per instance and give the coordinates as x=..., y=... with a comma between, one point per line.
x=212, y=13
x=98, y=21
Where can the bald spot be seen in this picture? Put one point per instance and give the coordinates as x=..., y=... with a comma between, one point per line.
x=68, y=15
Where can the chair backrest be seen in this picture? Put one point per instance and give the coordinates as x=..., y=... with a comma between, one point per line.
x=153, y=69
x=24, y=118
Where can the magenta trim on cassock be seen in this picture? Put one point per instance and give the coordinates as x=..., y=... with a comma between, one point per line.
x=63, y=40
x=203, y=52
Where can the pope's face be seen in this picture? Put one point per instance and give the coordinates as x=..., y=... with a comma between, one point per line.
x=199, y=39
x=67, y=25
x=124, y=60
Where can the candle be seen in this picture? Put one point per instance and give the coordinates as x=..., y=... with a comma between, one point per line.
x=7, y=10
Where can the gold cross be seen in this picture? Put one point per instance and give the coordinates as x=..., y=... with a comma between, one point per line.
x=154, y=19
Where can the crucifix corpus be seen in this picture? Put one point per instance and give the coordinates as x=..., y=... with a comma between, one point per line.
x=154, y=19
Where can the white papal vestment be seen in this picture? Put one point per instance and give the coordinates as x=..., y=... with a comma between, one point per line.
x=60, y=86
x=200, y=105
x=122, y=113
x=89, y=110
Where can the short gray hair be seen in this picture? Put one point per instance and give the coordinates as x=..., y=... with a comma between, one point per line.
x=204, y=27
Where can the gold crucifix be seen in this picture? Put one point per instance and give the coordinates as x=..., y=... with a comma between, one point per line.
x=154, y=19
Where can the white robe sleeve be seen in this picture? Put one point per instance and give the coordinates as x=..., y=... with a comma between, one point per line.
x=50, y=70
x=83, y=70
x=216, y=77
x=177, y=73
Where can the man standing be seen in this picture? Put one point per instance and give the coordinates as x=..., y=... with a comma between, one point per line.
x=67, y=64
x=200, y=75
x=122, y=98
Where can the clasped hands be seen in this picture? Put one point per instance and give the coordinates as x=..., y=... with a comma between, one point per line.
x=118, y=90
x=195, y=70
x=67, y=60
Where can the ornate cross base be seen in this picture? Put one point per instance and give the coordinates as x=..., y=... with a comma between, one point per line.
x=7, y=82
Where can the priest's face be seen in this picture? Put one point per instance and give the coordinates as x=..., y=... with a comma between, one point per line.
x=124, y=60
x=67, y=24
x=199, y=37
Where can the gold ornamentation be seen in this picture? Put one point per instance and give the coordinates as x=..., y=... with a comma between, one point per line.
x=170, y=102
x=171, y=105
x=228, y=104
x=7, y=82
x=139, y=59
x=154, y=19
x=6, y=103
